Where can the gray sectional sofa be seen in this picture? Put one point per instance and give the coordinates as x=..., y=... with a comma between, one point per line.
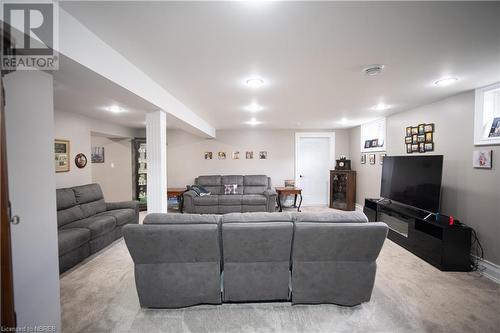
x=188, y=259
x=253, y=194
x=87, y=224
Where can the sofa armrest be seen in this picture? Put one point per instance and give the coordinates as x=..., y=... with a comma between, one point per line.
x=123, y=205
x=187, y=201
x=270, y=193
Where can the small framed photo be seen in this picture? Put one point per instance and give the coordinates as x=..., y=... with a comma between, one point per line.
x=372, y=158
x=495, y=128
x=97, y=155
x=61, y=154
x=222, y=155
x=429, y=128
x=408, y=139
x=381, y=158
x=363, y=158
x=249, y=155
x=421, y=147
x=428, y=137
x=421, y=138
x=236, y=155
x=80, y=160
x=414, y=138
x=414, y=130
x=429, y=146
x=421, y=129
x=414, y=148
x=208, y=155
x=262, y=155
x=368, y=143
x=408, y=149
x=482, y=159
x=374, y=143
x=408, y=131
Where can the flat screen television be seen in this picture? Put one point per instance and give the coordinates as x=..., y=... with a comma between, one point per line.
x=413, y=181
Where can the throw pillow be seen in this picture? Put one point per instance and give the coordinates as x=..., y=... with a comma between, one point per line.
x=230, y=189
x=201, y=191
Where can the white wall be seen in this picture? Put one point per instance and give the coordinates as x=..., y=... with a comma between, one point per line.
x=470, y=195
x=115, y=174
x=78, y=128
x=30, y=151
x=186, y=154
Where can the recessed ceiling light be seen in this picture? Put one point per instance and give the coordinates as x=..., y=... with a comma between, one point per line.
x=342, y=121
x=254, y=107
x=115, y=109
x=381, y=107
x=253, y=122
x=445, y=81
x=254, y=82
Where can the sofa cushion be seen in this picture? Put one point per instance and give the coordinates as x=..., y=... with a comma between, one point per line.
x=254, y=199
x=235, y=179
x=230, y=200
x=207, y=200
x=175, y=218
x=70, y=239
x=98, y=225
x=88, y=193
x=93, y=208
x=331, y=216
x=65, y=198
x=211, y=183
x=122, y=216
x=255, y=180
x=68, y=215
x=256, y=217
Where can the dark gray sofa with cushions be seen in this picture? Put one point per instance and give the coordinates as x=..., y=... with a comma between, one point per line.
x=87, y=224
x=253, y=194
x=183, y=260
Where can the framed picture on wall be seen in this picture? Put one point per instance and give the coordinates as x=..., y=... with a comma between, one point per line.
x=372, y=158
x=408, y=149
x=236, y=155
x=429, y=146
x=208, y=155
x=262, y=155
x=249, y=155
x=97, y=155
x=222, y=155
x=61, y=154
x=363, y=158
x=408, y=131
x=381, y=158
x=482, y=159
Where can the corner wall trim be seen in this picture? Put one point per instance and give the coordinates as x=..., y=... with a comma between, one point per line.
x=359, y=207
x=489, y=270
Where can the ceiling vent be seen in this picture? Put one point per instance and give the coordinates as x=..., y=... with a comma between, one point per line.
x=373, y=70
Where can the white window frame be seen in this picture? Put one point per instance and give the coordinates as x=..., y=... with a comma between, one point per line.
x=480, y=123
x=369, y=127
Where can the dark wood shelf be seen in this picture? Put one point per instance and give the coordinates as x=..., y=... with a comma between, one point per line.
x=343, y=189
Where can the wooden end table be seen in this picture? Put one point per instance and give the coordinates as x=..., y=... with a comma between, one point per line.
x=176, y=192
x=289, y=191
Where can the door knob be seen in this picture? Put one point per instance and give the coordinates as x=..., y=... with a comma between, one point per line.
x=301, y=176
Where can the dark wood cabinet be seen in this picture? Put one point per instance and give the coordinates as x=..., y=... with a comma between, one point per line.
x=343, y=189
x=139, y=172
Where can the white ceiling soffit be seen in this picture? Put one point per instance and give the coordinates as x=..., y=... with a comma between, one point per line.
x=84, y=47
x=310, y=54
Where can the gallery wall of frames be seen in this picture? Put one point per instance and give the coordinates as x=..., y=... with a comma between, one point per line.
x=236, y=155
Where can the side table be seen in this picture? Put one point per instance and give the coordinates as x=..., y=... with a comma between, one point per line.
x=289, y=191
x=176, y=192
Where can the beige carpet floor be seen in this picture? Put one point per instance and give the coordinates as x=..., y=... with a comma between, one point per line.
x=409, y=296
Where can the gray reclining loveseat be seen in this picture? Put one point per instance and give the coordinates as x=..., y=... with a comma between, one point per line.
x=253, y=194
x=187, y=259
x=87, y=224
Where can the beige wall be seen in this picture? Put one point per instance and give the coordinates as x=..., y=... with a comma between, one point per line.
x=115, y=174
x=185, y=154
x=471, y=195
x=78, y=129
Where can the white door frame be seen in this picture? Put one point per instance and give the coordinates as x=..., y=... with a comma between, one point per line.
x=329, y=135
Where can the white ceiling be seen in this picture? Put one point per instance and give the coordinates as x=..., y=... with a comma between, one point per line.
x=311, y=55
x=80, y=90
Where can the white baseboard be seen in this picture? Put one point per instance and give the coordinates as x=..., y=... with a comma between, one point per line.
x=359, y=207
x=489, y=270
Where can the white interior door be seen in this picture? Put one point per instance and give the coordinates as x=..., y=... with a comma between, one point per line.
x=313, y=168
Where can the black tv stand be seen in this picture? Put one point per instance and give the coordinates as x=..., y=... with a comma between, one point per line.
x=443, y=246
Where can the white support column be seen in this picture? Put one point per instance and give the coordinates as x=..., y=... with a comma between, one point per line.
x=156, y=141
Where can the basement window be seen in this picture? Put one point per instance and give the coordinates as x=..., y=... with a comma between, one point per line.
x=373, y=136
x=487, y=115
